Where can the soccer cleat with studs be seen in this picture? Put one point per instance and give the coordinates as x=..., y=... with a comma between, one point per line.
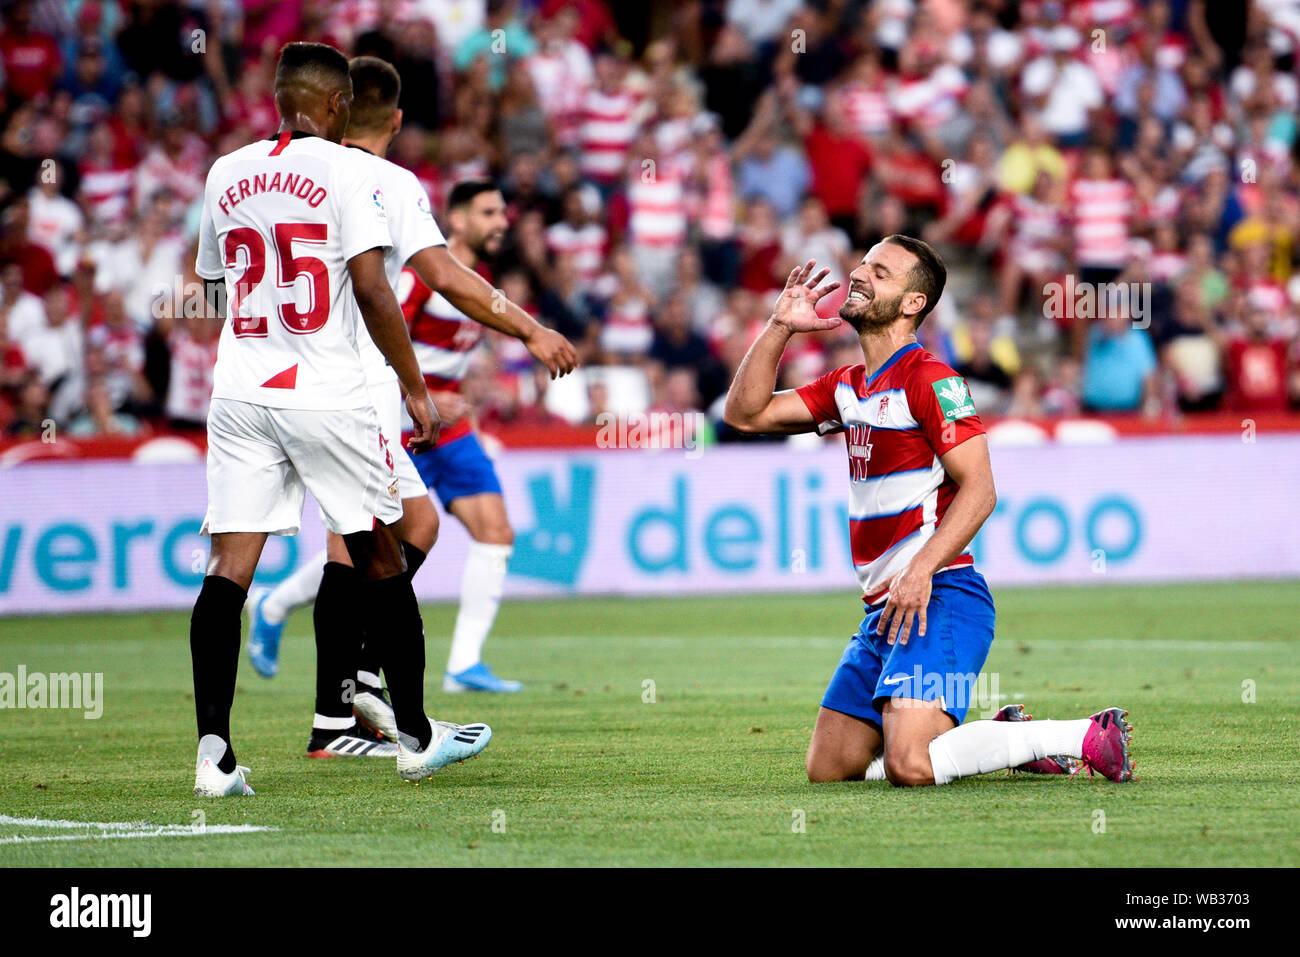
x=451, y=743
x=1053, y=764
x=354, y=742
x=1106, y=746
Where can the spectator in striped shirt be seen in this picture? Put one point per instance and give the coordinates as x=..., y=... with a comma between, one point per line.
x=609, y=124
x=580, y=236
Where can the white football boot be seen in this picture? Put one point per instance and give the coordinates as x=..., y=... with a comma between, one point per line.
x=210, y=780
x=451, y=742
x=375, y=712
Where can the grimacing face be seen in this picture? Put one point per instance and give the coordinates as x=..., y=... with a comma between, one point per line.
x=878, y=292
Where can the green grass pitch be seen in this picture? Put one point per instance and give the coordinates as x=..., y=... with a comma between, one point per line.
x=584, y=771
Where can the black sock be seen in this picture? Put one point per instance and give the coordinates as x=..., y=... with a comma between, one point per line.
x=370, y=660
x=214, y=650
x=398, y=635
x=414, y=559
x=338, y=639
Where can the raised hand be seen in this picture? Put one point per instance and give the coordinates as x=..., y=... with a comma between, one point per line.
x=796, y=307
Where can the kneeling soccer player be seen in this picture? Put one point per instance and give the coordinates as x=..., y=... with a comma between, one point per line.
x=920, y=487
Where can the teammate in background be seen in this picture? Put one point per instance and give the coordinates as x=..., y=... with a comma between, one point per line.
x=920, y=487
x=456, y=468
x=294, y=230
x=419, y=245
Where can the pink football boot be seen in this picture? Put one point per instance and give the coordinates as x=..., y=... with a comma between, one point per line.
x=1056, y=764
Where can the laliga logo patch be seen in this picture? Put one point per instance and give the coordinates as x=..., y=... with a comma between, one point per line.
x=423, y=204
x=378, y=197
x=882, y=414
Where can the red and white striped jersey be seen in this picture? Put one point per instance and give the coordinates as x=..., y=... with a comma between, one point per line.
x=561, y=76
x=606, y=131
x=1035, y=224
x=1101, y=209
x=586, y=244
x=109, y=192
x=930, y=101
x=716, y=208
x=189, y=388
x=869, y=108
x=896, y=425
x=443, y=338
x=657, y=206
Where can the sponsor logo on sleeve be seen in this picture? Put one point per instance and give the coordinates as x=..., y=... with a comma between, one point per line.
x=954, y=398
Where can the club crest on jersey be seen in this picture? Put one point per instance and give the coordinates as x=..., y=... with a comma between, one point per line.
x=954, y=398
x=882, y=414
x=859, y=451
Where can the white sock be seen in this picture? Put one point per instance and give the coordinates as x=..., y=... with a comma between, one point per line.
x=480, y=597
x=323, y=723
x=983, y=746
x=295, y=591
x=876, y=769
x=368, y=678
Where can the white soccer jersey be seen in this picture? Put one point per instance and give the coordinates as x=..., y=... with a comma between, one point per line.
x=412, y=227
x=281, y=218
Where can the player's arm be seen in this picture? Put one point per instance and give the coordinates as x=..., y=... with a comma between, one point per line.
x=753, y=404
x=383, y=318
x=471, y=294
x=214, y=298
x=909, y=592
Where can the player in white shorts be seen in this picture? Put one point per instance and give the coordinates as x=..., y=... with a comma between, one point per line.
x=294, y=233
x=327, y=578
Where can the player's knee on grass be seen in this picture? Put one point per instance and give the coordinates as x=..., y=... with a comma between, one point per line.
x=377, y=554
x=841, y=748
x=823, y=767
x=908, y=766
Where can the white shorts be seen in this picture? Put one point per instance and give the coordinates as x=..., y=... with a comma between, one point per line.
x=261, y=461
x=387, y=397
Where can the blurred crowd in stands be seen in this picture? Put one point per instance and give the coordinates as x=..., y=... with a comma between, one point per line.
x=1113, y=184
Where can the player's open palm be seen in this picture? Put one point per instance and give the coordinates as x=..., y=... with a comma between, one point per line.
x=796, y=307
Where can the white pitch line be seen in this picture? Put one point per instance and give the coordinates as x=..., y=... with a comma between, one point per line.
x=117, y=830
x=5, y=819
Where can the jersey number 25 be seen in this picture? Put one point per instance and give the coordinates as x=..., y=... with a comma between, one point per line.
x=290, y=268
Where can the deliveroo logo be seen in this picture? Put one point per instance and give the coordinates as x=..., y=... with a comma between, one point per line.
x=554, y=549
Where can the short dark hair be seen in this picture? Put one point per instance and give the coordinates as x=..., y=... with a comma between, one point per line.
x=462, y=194
x=311, y=64
x=927, y=276
x=376, y=88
